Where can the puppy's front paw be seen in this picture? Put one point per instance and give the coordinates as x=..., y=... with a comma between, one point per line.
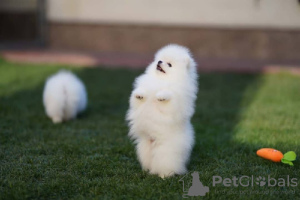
x=139, y=94
x=161, y=99
x=163, y=96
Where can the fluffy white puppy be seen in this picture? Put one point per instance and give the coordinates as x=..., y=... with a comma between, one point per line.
x=64, y=96
x=161, y=106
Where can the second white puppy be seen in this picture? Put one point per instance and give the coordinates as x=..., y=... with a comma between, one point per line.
x=64, y=96
x=161, y=106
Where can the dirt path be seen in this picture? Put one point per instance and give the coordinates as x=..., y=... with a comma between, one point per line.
x=130, y=60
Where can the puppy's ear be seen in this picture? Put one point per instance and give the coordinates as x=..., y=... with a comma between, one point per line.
x=188, y=61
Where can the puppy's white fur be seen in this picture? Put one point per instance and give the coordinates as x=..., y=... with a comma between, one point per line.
x=161, y=107
x=64, y=96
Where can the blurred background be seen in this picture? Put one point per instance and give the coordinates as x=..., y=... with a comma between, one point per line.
x=225, y=30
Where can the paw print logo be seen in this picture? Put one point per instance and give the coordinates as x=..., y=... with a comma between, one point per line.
x=261, y=181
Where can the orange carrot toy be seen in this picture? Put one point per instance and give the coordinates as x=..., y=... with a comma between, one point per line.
x=276, y=156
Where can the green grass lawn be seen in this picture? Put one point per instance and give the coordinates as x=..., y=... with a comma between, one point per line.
x=92, y=157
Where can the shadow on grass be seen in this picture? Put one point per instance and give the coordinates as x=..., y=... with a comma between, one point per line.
x=221, y=100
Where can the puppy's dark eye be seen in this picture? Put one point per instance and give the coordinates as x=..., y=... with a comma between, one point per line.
x=169, y=64
x=159, y=62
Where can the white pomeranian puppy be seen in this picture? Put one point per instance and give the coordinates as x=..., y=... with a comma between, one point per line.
x=161, y=106
x=64, y=96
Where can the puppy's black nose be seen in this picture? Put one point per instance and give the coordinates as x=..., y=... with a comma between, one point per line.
x=159, y=62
